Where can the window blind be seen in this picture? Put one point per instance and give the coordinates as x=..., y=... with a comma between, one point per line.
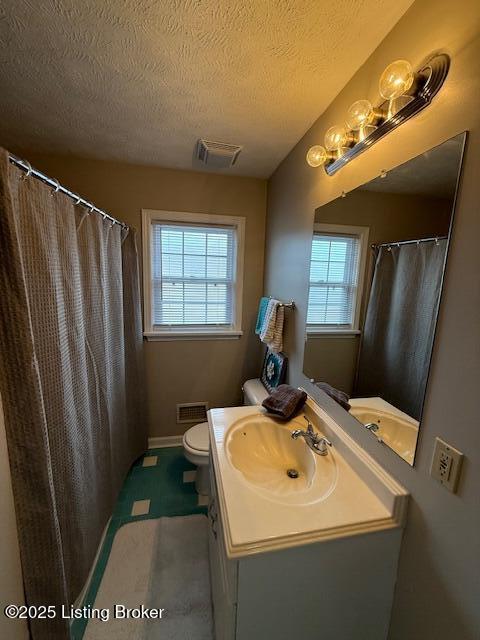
x=333, y=280
x=193, y=275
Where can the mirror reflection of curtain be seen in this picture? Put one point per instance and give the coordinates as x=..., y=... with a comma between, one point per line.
x=400, y=324
x=70, y=379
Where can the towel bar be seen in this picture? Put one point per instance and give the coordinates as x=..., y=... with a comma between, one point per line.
x=287, y=305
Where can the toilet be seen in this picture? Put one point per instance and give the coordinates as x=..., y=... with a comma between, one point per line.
x=196, y=441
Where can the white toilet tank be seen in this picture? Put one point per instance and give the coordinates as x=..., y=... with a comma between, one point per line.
x=254, y=392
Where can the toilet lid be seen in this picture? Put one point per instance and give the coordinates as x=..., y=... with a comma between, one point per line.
x=197, y=437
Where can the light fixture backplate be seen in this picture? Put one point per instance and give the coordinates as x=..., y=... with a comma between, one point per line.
x=434, y=73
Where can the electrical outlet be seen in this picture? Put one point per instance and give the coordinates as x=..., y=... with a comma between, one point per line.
x=446, y=464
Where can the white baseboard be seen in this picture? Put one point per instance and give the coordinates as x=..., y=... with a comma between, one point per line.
x=158, y=442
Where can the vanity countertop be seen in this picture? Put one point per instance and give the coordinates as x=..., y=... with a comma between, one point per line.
x=348, y=492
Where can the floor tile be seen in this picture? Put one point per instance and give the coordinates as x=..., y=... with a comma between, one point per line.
x=140, y=508
x=189, y=476
x=150, y=461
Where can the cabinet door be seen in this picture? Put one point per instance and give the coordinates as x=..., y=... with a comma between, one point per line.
x=223, y=593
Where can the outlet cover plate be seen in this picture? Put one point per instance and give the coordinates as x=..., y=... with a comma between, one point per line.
x=446, y=464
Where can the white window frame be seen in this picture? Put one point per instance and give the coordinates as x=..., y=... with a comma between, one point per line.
x=152, y=332
x=362, y=234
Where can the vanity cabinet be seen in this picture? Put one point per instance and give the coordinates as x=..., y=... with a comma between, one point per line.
x=339, y=589
x=223, y=571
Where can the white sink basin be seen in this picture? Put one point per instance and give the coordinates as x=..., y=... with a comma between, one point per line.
x=395, y=428
x=262, y=508
x=263, y=451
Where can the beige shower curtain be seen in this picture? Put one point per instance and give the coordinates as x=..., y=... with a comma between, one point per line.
x=70, y=379
x=400, y=325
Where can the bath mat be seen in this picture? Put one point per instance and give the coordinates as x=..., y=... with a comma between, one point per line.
x=160, y=564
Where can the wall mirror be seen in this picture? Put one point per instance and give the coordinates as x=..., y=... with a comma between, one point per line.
x=376, y=272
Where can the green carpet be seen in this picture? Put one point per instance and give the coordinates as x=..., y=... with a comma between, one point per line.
x=163, y=485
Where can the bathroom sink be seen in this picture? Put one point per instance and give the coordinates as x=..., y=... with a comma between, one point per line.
x=399, y=433
x=264, y=508
x=263, y=451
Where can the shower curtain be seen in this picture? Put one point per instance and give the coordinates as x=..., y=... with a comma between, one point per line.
x=70, y=380
x=400, y=324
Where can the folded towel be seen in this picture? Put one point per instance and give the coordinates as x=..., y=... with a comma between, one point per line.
x=285, y=401
x=262, y=308
x=272, y=330
x=339, y=396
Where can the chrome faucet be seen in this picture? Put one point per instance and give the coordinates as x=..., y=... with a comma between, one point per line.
x=373, y=427
x=317, y=443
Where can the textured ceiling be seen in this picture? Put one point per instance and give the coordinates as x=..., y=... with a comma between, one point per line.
x=433, y=173
x=141, y=80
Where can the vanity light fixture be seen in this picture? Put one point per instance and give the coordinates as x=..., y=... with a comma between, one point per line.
x=405, y=92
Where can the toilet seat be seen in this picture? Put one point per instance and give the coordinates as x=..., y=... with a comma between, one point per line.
x=197, y=440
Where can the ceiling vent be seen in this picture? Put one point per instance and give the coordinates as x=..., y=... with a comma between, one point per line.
x=218, y=155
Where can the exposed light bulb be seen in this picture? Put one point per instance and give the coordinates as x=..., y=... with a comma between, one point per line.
x=396, y=80
x=316, y=155
x=360, y=114
x=335, y=138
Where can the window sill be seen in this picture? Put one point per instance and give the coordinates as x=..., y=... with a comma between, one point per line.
x=165, y=336
x=317, y=333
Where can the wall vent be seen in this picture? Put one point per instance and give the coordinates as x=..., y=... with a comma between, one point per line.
x=192, y=412
x=219, y=155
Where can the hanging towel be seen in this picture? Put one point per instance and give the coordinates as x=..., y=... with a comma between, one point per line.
x=262, y=308
x=285, y=401
x=272, y=330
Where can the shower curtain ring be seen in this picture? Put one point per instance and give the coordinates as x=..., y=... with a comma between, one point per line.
x=57, y=188
x=91, y=209
x=78, y=200
x=29, y=170
x=436, y=242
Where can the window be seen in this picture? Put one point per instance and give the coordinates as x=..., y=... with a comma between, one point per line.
x=193, y=274
x=336, y=275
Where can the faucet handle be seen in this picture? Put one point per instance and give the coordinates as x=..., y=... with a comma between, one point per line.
x=309, y=425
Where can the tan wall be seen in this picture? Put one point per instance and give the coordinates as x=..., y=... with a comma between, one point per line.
x=181, y=371
x=332, y=358
x=437, y=588
x=389, y=217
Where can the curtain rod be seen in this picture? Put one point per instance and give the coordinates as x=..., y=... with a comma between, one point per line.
x=26, y=166
x=397, y=244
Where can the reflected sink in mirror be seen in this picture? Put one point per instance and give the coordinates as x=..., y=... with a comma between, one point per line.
x=285, y=470
x=395, y=428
